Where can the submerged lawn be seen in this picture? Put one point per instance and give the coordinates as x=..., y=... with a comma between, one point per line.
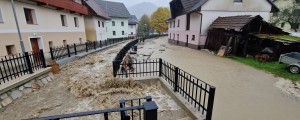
x=272, y=67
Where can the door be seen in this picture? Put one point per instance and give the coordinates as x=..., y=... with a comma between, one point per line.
x=177, y=39
x=187, y=41
x=35, y=44
x=35, y=50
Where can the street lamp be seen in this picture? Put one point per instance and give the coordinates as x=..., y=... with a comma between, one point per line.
x=17, y=24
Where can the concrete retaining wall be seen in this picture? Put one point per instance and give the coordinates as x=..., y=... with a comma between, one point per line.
x=34, y=82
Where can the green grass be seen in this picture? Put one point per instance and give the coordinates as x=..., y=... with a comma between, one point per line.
x=275, y=68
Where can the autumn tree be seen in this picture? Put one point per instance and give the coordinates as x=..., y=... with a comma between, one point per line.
x=158, y=19
x=144, y=26
x=290, y=15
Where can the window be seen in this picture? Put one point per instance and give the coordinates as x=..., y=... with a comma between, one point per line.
x=65, y=42
x=30, y=16
x=99, y=24
x=63, y=20
x=80, y=40
x=170, y=35
x=177, y=36
x=76, y=22
x=114, y=33
x=170, y=24
x=11, y=49
x=188, y=21
x=122, y=23
x=113, y=23
x=123, y=32
x=103, y=24
x=131, y=33
x=50, y=44
x=173, y=36
x=238, y=1
x=1, y=18
x=174, y=24
x=178, y=23
x=193, y=37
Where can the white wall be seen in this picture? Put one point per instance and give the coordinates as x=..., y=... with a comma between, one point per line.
x=118, y=28
x=48, y=20
x=230, y=5
x=48, y=27
x=132, y=29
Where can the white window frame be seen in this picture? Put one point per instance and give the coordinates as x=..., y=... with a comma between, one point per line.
x=1, y=17
x=33, y=14
x=65, y=20
x=76, y=21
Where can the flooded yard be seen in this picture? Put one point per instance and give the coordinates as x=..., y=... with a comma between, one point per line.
x=242, y=92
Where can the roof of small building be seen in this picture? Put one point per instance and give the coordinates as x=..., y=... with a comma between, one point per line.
x=133, y=20
x=97, y=9
x=114, y=9
x=232, y=22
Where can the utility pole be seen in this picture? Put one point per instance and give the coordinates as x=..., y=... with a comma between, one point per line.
x=17, y=24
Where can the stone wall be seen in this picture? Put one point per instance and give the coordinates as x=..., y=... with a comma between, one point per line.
x=34, y=84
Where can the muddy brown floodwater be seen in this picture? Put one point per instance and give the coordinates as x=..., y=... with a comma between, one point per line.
x=242, y=92
x=87, y=84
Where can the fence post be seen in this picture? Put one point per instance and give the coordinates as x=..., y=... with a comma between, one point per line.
x=68, y=49
x=150, y=110
x=176, y=80
x=75, y=49
x=210, y=103
x=86, y=47
x=51, y=53
x=160, y=67
x=43, y=58
x=28, y=63
x=148, y=98
x=114, y=68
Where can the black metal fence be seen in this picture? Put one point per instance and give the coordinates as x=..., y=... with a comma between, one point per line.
x=17, y=65
x=197, y=92
x=139, y=108
x=69, y=50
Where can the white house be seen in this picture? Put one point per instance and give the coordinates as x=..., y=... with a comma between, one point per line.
x=132, y=25
x=95, y=22
x=117, y=27
x=191, y=18
x=43, y=24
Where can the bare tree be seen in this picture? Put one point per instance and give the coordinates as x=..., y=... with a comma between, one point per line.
x=290, y=15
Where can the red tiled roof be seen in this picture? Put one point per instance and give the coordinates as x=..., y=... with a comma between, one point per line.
x=65, y=4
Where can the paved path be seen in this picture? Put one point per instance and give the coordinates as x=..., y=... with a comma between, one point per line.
x=243, y=93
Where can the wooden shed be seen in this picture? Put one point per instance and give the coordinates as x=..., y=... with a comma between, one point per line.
x=244, y=35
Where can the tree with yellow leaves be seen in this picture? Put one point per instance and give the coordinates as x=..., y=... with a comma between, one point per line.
x=158, y=19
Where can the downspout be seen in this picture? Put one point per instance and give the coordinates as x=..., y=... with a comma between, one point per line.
x=199, y=47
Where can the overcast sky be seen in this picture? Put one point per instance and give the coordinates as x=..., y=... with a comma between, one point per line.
x=129, y=3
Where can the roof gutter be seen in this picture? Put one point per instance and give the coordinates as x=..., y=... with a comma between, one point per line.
x=198, y=12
